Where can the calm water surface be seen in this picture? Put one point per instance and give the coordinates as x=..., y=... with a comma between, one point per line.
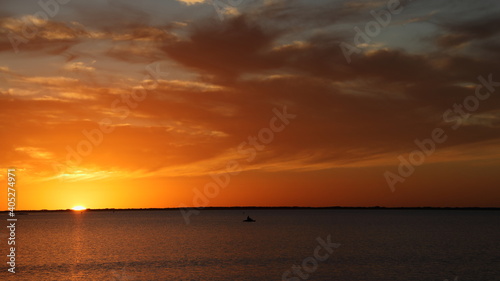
x=217, y=245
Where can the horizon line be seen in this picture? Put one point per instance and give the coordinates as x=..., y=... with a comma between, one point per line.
x=260, y=207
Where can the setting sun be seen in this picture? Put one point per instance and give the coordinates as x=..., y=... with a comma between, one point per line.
x=78, y=208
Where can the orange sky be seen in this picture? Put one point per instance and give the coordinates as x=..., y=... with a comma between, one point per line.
x=139, y=105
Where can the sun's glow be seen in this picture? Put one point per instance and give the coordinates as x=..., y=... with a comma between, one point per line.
x=78, y=208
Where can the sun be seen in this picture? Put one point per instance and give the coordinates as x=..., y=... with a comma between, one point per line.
x=78, y=208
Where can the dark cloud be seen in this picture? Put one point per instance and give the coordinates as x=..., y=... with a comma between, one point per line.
x=225, y=49
x=458, y=33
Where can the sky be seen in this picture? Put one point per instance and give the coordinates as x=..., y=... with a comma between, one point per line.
x=153, y=104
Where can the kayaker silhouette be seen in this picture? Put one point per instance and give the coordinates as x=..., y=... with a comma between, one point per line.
x=249, y=219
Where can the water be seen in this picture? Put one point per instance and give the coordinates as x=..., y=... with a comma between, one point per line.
x=217, y=245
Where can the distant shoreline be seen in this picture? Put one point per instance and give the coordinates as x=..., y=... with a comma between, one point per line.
x=274, y=208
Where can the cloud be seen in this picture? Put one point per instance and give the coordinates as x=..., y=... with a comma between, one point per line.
x=348, y=115
x=79, y=66
x=225, y=49
x=35, y=152
x=459, y=33
x=192, y=2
